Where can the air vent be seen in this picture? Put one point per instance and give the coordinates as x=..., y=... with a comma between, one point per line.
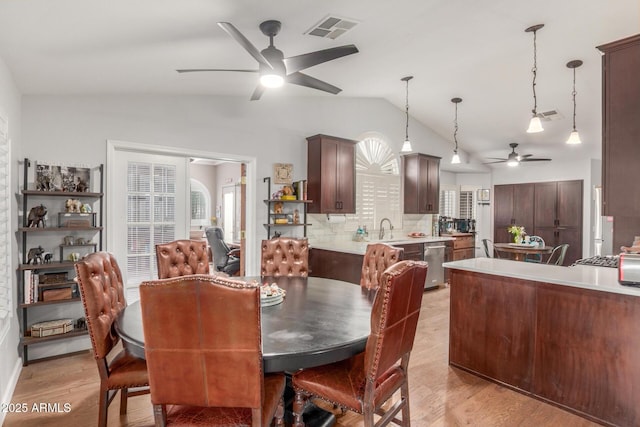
x=550, y=115
x=331, y=27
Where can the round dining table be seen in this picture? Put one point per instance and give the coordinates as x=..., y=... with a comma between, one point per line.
x=320, y=321
x=518, y=251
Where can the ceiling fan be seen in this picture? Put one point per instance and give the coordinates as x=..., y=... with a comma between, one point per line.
x=274, y=69
x=514, y=158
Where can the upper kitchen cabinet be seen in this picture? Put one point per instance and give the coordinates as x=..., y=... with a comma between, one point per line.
x=331, y=175
x=513, y=205
x=620, y=137
x=421, y=175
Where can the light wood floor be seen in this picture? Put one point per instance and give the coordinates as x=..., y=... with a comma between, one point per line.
x=440, y=395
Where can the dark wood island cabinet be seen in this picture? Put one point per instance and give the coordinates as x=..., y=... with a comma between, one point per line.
x=567, y=336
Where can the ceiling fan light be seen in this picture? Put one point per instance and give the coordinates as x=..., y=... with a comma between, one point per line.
x=512, y=162
x=535, y=125
x=406, y=147
x=574, y=138
x=271, y=80
x=455, y=159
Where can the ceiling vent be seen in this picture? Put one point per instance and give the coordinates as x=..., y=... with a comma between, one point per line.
x=551, y=115
x=331, y=27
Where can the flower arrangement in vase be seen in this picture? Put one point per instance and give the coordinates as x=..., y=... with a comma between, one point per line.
x=518, y=233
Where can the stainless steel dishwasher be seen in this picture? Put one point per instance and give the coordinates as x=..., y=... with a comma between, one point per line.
x=434, y=256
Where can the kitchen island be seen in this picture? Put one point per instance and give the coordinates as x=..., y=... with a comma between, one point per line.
x=342, y=259
x=565, y=335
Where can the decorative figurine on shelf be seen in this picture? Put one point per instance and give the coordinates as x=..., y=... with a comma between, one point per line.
x=73, y=205
x=86, y=208
x=296, y=216
x=35, y=254
x=37, y=216
x=277, y=195
x=80, y=241
x=287, y=193
x=68, y=240
x=48, y=256
x=278, y=207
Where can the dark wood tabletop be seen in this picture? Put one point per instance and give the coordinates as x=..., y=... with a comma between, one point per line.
x=520, y=251
x=320, y=321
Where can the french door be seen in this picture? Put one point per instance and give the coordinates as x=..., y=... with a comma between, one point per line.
x=150, y=206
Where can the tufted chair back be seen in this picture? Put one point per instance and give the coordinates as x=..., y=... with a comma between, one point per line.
x=211, y=375
x=366, y=381
x=182, y=258
x=284, y=256
x=102, y=290
x=100, y=282
x=378, y=257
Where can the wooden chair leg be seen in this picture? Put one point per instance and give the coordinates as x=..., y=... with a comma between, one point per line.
x=404, y=395
x=298, y=408
x=160, y=415
x=279, y=417
x=103, y=406
x=124, y=395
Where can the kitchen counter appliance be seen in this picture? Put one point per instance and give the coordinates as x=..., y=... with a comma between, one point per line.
x=434, y=256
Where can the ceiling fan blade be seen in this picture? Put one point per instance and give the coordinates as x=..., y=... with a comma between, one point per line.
x=524, y=156
x=498, y=161
x=308, y=81
x=196, y=70
x=535, y=160
x=497, y=158
x=300, y=62
x=244, y=42
x=257, y=93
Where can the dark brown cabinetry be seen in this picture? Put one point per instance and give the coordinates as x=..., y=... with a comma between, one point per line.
x=463, y=247
x=421, y=175
x=558, y=215
x=513, y=206
x=621, y=137
x=331, y=174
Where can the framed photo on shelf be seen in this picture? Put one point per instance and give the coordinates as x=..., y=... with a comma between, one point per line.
x=72, y=179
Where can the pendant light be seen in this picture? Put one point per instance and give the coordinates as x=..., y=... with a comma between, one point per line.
x=456, y=158
x=406, y=146
x=574, y=137
x=535, y=125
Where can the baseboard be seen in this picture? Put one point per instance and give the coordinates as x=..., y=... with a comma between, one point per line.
x=10, y=387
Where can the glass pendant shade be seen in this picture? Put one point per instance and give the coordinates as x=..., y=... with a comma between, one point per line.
x=535, y=125
x=455, y=159
x=406, y=145
x=512, y=162
x=574, y=138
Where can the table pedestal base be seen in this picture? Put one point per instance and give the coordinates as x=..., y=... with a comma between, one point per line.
x=313, y=416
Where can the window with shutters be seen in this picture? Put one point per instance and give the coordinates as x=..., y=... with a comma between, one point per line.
x=151, y=216
x=377, y=185
x=6, y=305
x=467, y=207
x=448, y=203
x=200, y=204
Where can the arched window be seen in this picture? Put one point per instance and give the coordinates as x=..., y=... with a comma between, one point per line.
x=200, y=204
x=377, y=183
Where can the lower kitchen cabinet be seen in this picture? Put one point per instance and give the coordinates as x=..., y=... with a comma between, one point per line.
x=463, y=247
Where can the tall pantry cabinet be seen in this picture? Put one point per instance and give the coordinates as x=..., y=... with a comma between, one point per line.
x=513, y=206
x=621, y=137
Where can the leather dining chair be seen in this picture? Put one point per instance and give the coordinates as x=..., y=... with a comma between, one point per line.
x=203, y=346
x=225, y=259
x=100, y=282
x=284, y=256
x=377, y=258
x=182, y=257
x=366, y=381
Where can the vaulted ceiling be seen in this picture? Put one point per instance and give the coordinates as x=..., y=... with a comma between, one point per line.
x=475, y=50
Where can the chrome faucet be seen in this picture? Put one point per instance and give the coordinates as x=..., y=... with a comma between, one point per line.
x=381, y=235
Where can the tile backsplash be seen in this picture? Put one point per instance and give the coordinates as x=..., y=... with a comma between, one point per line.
x=342, y=227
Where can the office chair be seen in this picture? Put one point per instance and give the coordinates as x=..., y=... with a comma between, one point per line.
x=225, y=259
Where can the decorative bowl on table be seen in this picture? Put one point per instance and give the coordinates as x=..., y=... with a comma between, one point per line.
x=271, y=294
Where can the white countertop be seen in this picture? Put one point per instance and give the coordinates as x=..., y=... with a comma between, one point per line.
x=359, y=248
x=579, y=276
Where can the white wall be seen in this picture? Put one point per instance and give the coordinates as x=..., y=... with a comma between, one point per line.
x=10, y=363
